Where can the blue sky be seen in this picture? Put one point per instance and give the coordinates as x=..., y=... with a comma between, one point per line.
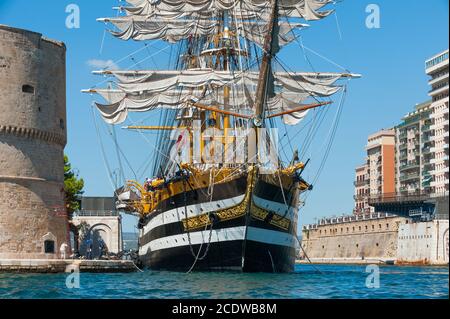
x=391, y=60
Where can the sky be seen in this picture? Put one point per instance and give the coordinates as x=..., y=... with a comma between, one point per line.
x=390, y=58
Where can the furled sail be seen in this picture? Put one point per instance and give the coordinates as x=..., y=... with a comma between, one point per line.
x=257, y=33
x=143, y=28
x=315, y=84
x=142, y=91
x=168, y=30
x=244, y=9
x=174, y=20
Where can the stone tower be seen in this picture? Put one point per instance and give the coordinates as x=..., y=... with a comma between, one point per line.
x=33, y=222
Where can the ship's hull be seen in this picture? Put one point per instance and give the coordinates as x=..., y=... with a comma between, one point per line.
x=241, y=236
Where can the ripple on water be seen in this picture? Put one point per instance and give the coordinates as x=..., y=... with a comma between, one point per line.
x=317, y=282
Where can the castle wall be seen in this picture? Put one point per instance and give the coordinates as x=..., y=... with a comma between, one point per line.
x=357, y=240
x=383, y=239
x=423, y=243
x=32, y=140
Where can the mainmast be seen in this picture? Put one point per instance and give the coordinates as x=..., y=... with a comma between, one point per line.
x=265, y=67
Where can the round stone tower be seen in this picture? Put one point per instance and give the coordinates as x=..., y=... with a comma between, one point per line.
x=33, y=220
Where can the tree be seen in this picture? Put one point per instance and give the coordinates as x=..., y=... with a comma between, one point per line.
x=73, y=188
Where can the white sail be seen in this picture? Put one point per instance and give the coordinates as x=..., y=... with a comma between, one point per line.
x=143, y=28
x=315, y=84
x=175, y=20
x=247, y=9
x=168, y=30
x=257, y=33
x=117, y=112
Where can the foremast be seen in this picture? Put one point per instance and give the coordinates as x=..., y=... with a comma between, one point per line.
x=266, y=66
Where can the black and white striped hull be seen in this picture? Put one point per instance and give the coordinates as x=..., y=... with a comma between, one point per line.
x=242, y=244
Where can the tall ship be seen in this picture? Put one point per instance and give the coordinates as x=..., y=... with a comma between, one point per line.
x=221, y=195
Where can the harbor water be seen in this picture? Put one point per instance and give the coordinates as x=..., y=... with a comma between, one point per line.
x=307, y=282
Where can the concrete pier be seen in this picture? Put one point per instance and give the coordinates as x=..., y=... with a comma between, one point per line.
x=66, y=265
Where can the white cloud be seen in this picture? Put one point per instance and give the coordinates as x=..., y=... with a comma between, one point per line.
x=102, y=64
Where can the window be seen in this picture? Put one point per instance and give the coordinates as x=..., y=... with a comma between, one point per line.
x=27, y=89
x=61, y=124
x=49, y=247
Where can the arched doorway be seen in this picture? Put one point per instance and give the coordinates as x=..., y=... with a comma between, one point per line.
x=100, y=236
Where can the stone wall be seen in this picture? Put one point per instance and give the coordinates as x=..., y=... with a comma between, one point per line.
x=357, y=240
x=424, y=243
x=32, y=140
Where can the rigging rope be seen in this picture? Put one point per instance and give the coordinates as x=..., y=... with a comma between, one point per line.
x=332, y=137
x=102, y=148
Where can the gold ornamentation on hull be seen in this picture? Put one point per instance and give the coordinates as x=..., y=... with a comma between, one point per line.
x=277, y=220
x=202, y=221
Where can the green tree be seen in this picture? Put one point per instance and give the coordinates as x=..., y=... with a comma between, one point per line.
x=73, y=188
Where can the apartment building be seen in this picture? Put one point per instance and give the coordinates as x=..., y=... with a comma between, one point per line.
x=377, y=175
x=437, y=68
x=413, y=151
x=361, y=190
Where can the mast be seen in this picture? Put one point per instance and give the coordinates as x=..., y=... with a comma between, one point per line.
x=265, y=67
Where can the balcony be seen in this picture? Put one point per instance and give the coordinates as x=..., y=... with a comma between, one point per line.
x=442, y=124
x=438, y=79
x=409, y=177
x=426, y=183
x=440, y=171
x=412, y=165
x=359, y=197
x=360, y=183
x=426, y=174
x=437, y=91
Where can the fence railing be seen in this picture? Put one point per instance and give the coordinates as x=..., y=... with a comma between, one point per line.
x=404, y=197
x=96, y=213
